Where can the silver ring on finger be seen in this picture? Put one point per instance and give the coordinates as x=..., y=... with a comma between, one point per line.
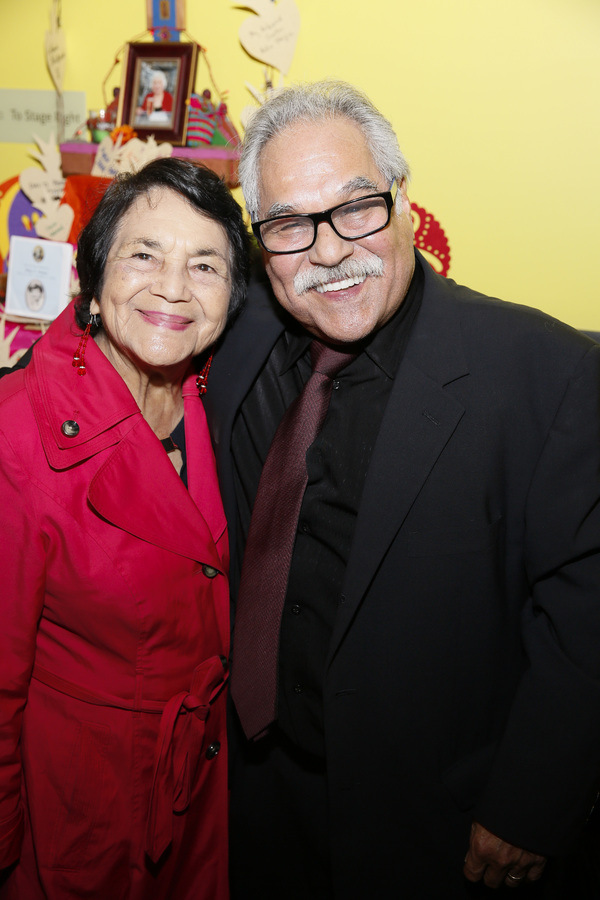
x=515, y=877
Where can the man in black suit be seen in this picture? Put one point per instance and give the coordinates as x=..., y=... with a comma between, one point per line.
x=438, y=702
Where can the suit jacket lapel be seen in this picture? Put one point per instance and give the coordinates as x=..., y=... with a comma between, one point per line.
x=419, y=420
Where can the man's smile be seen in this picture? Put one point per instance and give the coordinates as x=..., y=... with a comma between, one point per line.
x=339, y=285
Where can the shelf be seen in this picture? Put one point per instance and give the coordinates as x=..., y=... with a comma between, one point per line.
x=77, y=158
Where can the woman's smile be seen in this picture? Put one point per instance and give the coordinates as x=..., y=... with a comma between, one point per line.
x=166, y=320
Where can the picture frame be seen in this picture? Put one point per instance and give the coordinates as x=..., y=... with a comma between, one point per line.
x=39, y=278
x=158, y=80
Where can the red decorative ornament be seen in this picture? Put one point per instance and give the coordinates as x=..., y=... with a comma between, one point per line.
x=431, y=239
x=201, y=379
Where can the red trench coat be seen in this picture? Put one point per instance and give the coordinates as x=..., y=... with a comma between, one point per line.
x=114, y=636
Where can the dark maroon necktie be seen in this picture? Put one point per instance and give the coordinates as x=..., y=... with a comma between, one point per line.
x=270, y=544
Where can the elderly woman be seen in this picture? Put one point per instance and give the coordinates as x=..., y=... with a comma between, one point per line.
x=159, y=99
x=113, y=554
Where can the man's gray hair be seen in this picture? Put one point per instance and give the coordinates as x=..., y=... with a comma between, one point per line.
x=313, y=102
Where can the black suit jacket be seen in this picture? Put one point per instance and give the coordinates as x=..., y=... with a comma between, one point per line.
x=463, y=677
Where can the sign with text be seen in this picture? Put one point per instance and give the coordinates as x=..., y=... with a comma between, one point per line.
x=24, y=114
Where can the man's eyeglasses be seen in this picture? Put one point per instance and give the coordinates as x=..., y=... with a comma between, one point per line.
x=351, y=220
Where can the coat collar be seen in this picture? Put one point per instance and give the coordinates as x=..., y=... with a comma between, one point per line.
x=436, y=343
x=98, y=402
x=128, y=487
x=136, y=491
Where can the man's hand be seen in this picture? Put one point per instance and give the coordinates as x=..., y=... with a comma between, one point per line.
x=497, y=862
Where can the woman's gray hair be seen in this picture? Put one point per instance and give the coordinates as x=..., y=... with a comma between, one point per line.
x=313, y=102
x=158, y=73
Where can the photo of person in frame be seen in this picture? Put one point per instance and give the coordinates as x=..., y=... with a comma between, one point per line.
x=35, y=295
x=157, y=87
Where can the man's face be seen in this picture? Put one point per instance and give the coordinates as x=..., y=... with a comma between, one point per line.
x=310, y=167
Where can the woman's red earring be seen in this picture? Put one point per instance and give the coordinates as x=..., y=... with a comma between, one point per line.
x=79, y=357
x=201, y=379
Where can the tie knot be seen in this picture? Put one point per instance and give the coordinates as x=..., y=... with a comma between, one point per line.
x=327, y=360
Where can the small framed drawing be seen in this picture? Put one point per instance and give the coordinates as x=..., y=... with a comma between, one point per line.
x=39, y=278
x=158, y=80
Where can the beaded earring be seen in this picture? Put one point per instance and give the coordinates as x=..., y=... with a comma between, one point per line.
x=201, y=379
x=79, y=357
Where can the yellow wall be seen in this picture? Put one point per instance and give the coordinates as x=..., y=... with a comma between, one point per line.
x=495, y=103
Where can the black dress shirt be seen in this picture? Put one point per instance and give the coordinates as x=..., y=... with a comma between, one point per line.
x=337, y=464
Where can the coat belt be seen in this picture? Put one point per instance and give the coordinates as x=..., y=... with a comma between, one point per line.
x=179, y=744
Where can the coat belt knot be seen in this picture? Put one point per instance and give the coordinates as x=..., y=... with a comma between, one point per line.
x=178, y=752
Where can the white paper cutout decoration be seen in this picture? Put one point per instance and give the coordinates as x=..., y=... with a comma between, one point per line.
x=129, y=157
x=56, y=49
x=44, y=188
x=270, y=36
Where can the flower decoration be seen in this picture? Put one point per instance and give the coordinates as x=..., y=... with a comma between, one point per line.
x=125, y=131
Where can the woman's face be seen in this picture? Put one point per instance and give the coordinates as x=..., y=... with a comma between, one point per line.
x=157, y=85
x=167, y=285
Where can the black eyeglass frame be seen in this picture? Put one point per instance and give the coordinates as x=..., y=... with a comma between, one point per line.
x=325, y=216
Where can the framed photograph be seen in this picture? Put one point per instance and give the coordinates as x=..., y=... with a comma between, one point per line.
x=39, y=278
x=158, y=79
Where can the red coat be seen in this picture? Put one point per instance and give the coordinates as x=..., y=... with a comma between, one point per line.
x=113, y=635
x=167, y=102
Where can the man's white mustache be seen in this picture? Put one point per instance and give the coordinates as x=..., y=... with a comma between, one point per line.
x=348, y=268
